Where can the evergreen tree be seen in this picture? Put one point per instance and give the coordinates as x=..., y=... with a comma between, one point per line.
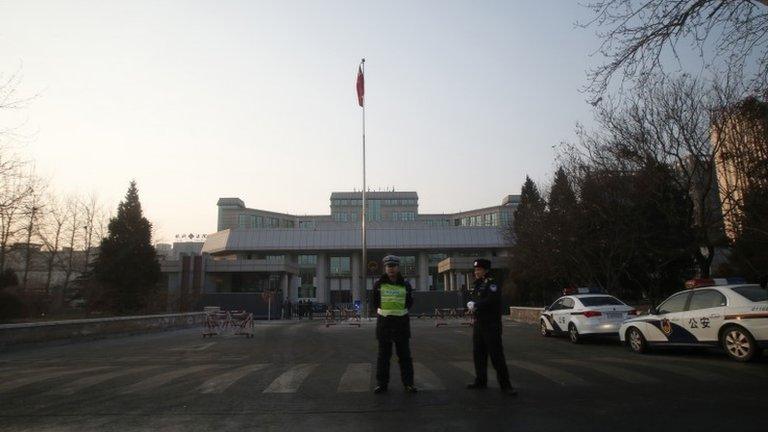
x=528, y=268
x=127, y=267
x=560, y=228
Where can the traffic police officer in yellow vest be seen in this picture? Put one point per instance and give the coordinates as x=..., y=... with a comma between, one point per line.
x=485, y=303
x=391, y=298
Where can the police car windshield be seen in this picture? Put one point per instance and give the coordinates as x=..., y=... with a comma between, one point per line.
x=600, y=301
x=752, y=292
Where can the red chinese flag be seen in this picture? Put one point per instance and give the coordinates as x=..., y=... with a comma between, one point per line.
x=360, y=86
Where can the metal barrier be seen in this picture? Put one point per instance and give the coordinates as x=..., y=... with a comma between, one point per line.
x=219, y=322
x=351, y=316
x=330, y=317
x=442, y=316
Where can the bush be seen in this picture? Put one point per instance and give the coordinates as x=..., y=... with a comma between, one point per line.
x=11, y=307
x=8, y=278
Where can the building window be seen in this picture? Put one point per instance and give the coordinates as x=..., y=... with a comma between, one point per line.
x=504, y=218
x=436, y=257
x=243, y=221
x=408, y=265
x=340, y=266
x=310, y=224
x=373, y=210
x=275, y=258
x=307, y=260
x=307, y=291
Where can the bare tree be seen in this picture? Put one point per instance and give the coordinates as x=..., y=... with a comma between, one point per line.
x=50, y=232
x=674, y=123
x=640, y=32
x=15, y=188
x=33, y=206
x=72, y=229
x=92, y=211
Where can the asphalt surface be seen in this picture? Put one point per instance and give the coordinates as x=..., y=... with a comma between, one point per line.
x=300, y=376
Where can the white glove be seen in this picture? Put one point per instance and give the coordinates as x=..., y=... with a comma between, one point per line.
x=471, y=305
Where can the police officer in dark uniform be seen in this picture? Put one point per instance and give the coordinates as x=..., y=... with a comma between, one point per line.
x=390, y=300
x=485, y=303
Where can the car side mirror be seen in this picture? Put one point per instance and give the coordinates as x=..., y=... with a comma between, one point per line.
x=653, y=311
x=546, y=308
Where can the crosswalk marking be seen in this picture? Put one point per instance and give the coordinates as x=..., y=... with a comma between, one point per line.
x=291, y=380
x=676, y=369
x=357, y=378
x=159, y=380
x=221, y=382
x=43, y=376
x=556, y=375
x=732, y=367
x=622, y=374
x=425, y=378
x=469, y=367
x=93, y=380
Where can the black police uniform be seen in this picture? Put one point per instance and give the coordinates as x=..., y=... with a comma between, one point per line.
x=486, y=335
x=393, y=329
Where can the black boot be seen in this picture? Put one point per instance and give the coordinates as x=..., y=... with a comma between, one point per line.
x=409, y=388
x=380, y=389
x=477, y=386
x=509, y=391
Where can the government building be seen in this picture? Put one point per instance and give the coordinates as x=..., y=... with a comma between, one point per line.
x=319, y=257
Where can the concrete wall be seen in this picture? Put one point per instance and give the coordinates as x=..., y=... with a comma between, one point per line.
x=528, y=315
x=13, y=334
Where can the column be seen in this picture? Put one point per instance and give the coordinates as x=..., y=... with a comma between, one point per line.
x=321, y=281
x=445, y=282
x=284, y=285
x=355, y=264
x=423, y=269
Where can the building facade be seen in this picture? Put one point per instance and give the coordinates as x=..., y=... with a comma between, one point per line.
x=740, y=140
x=319, y=257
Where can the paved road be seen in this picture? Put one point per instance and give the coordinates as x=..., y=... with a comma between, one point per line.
x=298, y=376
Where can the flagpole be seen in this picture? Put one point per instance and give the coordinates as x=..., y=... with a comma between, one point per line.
x=364, y=273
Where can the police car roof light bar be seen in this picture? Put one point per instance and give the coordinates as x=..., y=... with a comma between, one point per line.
x=700, y=283
x=582, y=290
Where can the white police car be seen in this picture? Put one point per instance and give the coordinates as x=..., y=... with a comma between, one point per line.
x=584, y=311
x=710, y=312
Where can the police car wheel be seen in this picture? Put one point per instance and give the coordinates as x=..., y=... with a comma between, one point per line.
x=636, y=341
x=543, y=329
x=573, y=334
x=739, y=344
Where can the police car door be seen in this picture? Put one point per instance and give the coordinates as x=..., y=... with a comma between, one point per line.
x=705, y=314
x=671, y=316
x=554, y=312
x=562, y=315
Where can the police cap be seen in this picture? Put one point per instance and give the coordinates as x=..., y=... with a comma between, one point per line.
x=391, y=260
x=482, y=262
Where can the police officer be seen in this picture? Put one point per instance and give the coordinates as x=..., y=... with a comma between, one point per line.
x=485, y=303
x=390, y=299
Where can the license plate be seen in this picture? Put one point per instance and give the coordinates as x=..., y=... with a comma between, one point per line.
x=614, y=315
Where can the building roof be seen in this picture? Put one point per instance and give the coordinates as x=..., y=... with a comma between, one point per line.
x=240, y=240
x=376, y=194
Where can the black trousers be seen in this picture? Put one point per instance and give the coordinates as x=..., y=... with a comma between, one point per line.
x=487, y=342
x=403, y=348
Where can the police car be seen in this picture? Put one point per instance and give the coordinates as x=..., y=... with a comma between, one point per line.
x=584, y=311
x=710, y=312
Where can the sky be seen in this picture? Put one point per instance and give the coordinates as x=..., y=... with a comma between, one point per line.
x=198, y=100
